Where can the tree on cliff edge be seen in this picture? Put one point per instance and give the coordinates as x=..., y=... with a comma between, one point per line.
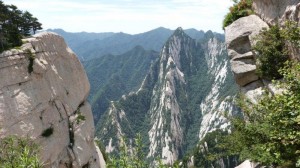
x=14, y=25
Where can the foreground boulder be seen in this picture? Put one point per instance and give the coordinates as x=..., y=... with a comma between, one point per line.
x=240, y=37
x=43, y=92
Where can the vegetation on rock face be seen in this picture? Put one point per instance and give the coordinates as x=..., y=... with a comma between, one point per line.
x=18, y=153
x=240, y=9
x=129, y=157
x=15, y=24
x=291, y=32
x=80, y=118
x=102, y=149
x=111, y=76
x=271, y=53
x=134, y=157
x=210, y=152
x=31, y=58
x=271, y=134
x=273, y=48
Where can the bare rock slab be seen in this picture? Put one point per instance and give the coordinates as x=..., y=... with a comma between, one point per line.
x=44, y=86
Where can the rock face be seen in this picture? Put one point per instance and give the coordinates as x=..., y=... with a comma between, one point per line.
x=274, y=11
x=44, y=87
x=239, y=39
x=216, y=102
x=181, y=99
x=278, y=12
x=248, y=164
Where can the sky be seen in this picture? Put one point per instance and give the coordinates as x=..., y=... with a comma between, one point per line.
x=128, y=16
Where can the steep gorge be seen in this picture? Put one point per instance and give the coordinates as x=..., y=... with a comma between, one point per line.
x=184, y=96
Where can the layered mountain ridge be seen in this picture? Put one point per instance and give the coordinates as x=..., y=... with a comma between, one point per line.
x=92, y=45
x=111, y=76
x=180, y=100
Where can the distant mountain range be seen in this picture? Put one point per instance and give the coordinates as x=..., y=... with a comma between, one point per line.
x=118, y=60
x=170, y=86
x=91, y=45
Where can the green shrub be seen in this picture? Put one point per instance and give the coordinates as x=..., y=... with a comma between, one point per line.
x=31, y=58
x=271, y=134
x=128, y=159
x=274, y=47
x=240, y=9
x=210, y=153
x=18, y=153
x=14, y=25
x=291, y=32
x=271, y=53
x=80, y=118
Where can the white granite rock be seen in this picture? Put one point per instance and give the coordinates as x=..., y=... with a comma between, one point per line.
x=247, y=164
x=274, y=11
x=48, y=97
x=240, y=37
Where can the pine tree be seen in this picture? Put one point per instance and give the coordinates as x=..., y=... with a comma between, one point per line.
x=15, y=25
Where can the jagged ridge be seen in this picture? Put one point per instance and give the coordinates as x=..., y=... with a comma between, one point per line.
x=188, y=74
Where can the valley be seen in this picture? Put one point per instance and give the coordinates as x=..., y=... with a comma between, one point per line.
x=164, y=98
x=172, y=96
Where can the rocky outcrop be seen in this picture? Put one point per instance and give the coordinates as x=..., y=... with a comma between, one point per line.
x=278, y=12
x=239, y=39
x=274, y=11
x=248, y=164
x=43, y=92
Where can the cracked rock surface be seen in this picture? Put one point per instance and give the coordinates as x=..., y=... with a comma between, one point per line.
x=44, y=86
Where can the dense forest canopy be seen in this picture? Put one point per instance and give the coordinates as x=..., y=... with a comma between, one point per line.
x=14, y=25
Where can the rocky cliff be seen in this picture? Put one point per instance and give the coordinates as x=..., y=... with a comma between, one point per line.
x=240, y=37
x=43, y=88
x=182, y=98
x=277, y=11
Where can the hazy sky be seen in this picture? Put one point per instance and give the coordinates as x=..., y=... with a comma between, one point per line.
x=129, y=16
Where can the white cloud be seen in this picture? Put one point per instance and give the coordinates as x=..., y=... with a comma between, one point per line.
x=131, y=16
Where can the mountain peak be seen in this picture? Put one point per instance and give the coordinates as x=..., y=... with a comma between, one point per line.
x=209, y=34
x=179, y=31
